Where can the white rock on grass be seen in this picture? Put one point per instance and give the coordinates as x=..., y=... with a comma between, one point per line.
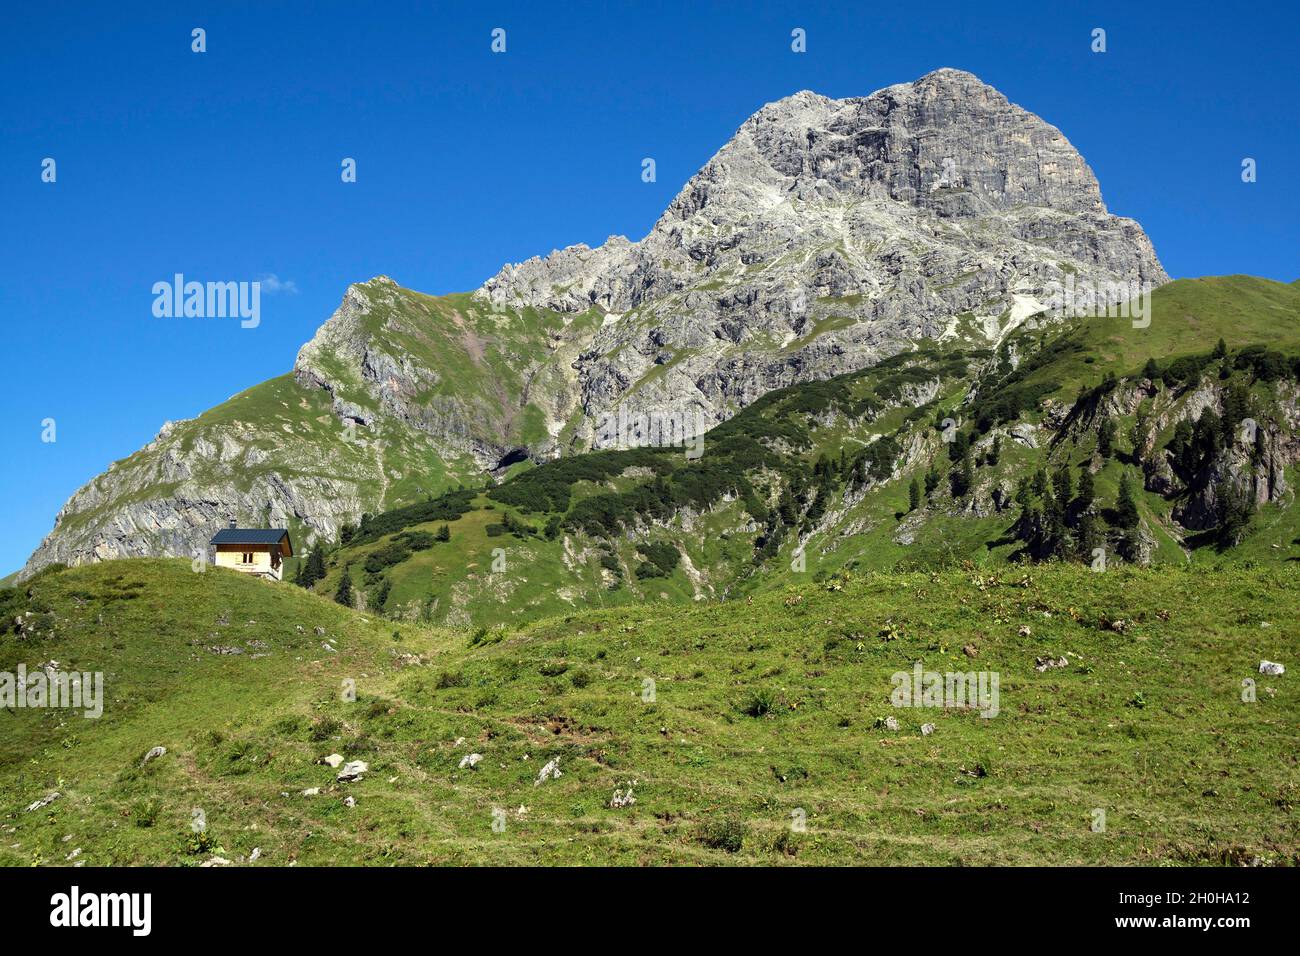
x=334, y=760
x=623, y=797
x=1271, y=669
x=470, y=760
x=352, y=771
x=153, y=754
x=551, y=770
x=927, y=730
x=45, y=801
x=311, y=792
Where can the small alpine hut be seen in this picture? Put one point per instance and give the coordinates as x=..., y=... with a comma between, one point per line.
x=259, y=551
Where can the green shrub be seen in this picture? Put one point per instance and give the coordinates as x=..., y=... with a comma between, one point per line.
x=145, y=813
x=759, y=703
x=323, y=728
x=727, y=835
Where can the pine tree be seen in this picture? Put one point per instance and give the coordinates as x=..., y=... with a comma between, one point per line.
x=442, y=534
x=1126, y=509
x=315, y=569
x=1063, y=482
x=1089, y=534
x=344, y=594
x=995, y=453
x=931, y=480
x=958, y=447
x=1220, y=349
x=1138, y=434
x=962, y=476
x=1106, y=438
x=914, y=495
x=1054, y=541
x=1236, y=507
x=1087, y=490
x=1151, y=370
x=381, y=596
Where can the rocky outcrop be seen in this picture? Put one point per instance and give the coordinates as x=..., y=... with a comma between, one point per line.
x=839, y=231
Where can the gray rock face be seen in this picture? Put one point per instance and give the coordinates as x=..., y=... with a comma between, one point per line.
x=828, y=234
x=825, y=236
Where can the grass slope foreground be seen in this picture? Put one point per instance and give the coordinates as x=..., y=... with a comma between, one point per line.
x=1132, y=725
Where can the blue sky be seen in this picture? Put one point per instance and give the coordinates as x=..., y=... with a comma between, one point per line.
x=225, y=165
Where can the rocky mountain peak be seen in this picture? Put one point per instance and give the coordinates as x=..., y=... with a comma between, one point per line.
x=801, y=170
x=823, y=237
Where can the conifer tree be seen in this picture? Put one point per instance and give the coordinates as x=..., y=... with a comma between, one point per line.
x=344, y=594
x=315, y=569
x=1126, y=509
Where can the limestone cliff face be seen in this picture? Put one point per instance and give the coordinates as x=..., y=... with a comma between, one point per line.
x=826, y=235
x=830, y=233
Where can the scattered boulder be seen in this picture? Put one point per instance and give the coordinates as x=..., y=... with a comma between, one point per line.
x=334, y=760
x=349, y=801
x=311, y=792
x=470, y=761
x=550, y=770
x=623, y=796
x=320, y=631
x=1025, y=434
x=153, y=754
x=1271, y=669
x=927, y=730
x=45, y=801
x=255, y=855
x=1046, y=663
x=352, y=771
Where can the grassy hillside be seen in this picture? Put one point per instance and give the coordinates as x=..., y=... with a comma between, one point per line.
x=760, y=708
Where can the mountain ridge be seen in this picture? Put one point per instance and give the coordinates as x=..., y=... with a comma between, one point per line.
x=824, y=236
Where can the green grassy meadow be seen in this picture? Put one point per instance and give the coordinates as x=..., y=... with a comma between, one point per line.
x=762, y=712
